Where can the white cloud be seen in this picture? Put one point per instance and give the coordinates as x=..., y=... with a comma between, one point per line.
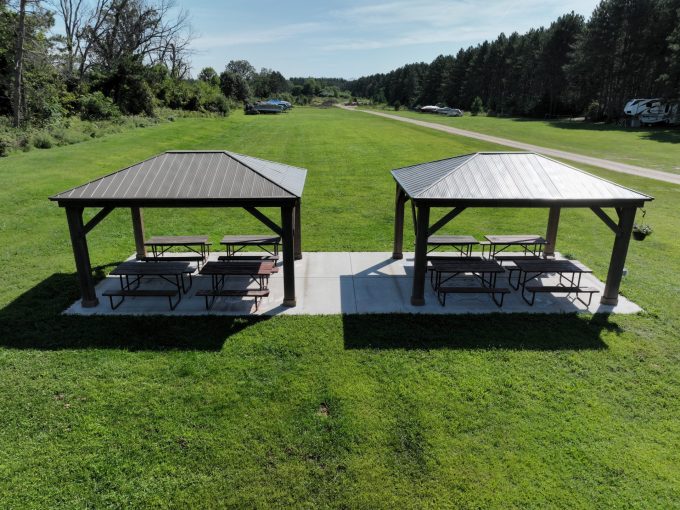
x=262, y=36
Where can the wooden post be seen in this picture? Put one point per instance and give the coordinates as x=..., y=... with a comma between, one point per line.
x=298, y=232
x=610, y=296
x=399, y=224
x=138, y=229
x=420, y=264
x=287, y=225
x=74, y=215
x=551, y=234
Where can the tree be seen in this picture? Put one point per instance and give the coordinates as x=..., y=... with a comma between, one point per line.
x=477, y=106
x=18, y=64
x=234, y=86
x=242, y=68
x=209, y=75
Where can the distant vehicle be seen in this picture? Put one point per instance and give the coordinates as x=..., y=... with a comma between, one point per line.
x=429, y=109
x=654, y=111
x=262, y=107
x=450, y=112
x=286, y=105
x=637, y=106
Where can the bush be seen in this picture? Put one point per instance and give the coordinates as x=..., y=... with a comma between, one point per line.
x=97, y=106
x=477, y=106
x=217, y=103
x=6, y=144
x=593, y=111
x=397, y=106
x=42, y=141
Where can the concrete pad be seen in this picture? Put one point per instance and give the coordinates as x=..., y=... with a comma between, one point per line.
x=347, y=283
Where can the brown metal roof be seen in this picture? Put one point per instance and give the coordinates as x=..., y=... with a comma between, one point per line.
x=193, y=176
x=509, y=178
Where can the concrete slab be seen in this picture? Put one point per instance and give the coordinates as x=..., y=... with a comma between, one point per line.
x=346, y=283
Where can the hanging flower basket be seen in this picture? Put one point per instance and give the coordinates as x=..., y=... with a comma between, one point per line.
x=640, y=232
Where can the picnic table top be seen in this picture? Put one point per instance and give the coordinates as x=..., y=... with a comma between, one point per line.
x=467, y=265
x=176, y=240
x=238, y=268
x=251, y=239
x=152, y=268
x=451, y=240
x=552, y=266
x=515, y=239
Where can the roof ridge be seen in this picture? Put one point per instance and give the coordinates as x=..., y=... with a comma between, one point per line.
x=472, y=156
x=231, y=154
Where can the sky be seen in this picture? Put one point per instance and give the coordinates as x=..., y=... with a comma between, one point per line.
x=351, y=38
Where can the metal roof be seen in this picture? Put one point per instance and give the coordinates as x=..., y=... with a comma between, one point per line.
x=509, y=177
x=209, y=176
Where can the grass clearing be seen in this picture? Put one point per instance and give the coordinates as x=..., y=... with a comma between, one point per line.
x=657, y=148
x=505, y=412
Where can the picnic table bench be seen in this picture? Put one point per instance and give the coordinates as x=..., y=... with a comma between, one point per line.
x=532, y=246
x=268, y=243
x=462, y=244
x=161, y=245
x=530, y=270
x=257, y=271
x=171, y=272
x=485, y=270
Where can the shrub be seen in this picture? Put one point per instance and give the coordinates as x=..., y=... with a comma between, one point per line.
x=42, y=141
x=593, y=111
x=397, y=106
x=6, y=144
x=477, y=106
x=97, y=106
x=217, y=103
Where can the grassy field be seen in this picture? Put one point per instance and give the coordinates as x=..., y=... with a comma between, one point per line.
x=524, y=411
x=656, y=148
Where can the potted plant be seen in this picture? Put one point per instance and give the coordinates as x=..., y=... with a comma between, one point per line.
x=642, y=230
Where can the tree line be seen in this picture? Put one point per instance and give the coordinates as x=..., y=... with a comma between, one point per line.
x=626, y=49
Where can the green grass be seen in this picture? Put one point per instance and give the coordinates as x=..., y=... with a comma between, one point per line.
x=656, y=148
x=524, y=411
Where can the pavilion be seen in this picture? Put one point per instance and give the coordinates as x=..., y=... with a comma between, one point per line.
x=181, y=179
x=510, y=179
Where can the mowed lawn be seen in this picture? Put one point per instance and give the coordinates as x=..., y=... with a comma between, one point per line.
x=500, y=411
x=650, y=147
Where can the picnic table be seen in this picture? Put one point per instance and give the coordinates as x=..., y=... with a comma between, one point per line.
x=486, y=271
x=532, y=246
x=569, y=272
x=160, y=245
x=257, y=271
x=268, y=243
x=131, y=274
x=462, y=244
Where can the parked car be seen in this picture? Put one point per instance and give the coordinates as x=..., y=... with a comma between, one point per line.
x=450, y=112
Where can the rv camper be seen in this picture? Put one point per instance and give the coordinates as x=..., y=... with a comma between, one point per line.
x=649, y=112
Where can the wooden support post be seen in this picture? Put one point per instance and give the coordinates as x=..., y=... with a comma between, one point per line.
x=287, y=224
x=298, y=232
x=420, y=264
x=400, y=201
x=74, y=215
x=610, y=296
x=551, y=234
x=138, y=229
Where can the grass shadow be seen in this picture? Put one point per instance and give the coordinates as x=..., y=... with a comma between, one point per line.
x=34, y=320
x=661, y=134
x=541, y=332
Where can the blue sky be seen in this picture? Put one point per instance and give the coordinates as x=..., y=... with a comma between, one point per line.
x=352, y=38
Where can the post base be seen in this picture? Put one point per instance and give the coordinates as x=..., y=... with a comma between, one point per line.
x=397, y=256
x=89, y=303
x=417, y=301
x=298, y=256
x=289, y=302
x=609, y=301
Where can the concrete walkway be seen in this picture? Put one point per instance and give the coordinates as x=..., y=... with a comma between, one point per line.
x=347, y=283
x=571, y=156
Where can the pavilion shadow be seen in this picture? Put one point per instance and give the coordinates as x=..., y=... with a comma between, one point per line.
x=34, y=320
x=539, y=332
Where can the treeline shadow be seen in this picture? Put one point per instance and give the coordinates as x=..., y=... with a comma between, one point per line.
x=542, y=332
x=34, y=320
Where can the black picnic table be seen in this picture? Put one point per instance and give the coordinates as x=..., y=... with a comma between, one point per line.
x=462, y=244
x=160, y=245
x=486, y=271
x=569, y=272
x=236, y=243
x=131, y=274
x=531, y=244
x=257, y=271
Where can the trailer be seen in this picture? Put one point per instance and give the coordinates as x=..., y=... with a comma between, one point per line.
x=652, y=112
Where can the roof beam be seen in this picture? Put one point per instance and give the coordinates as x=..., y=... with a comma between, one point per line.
x=97, y=219
x=445, y=219
x=606, y=219
x=264, y=219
